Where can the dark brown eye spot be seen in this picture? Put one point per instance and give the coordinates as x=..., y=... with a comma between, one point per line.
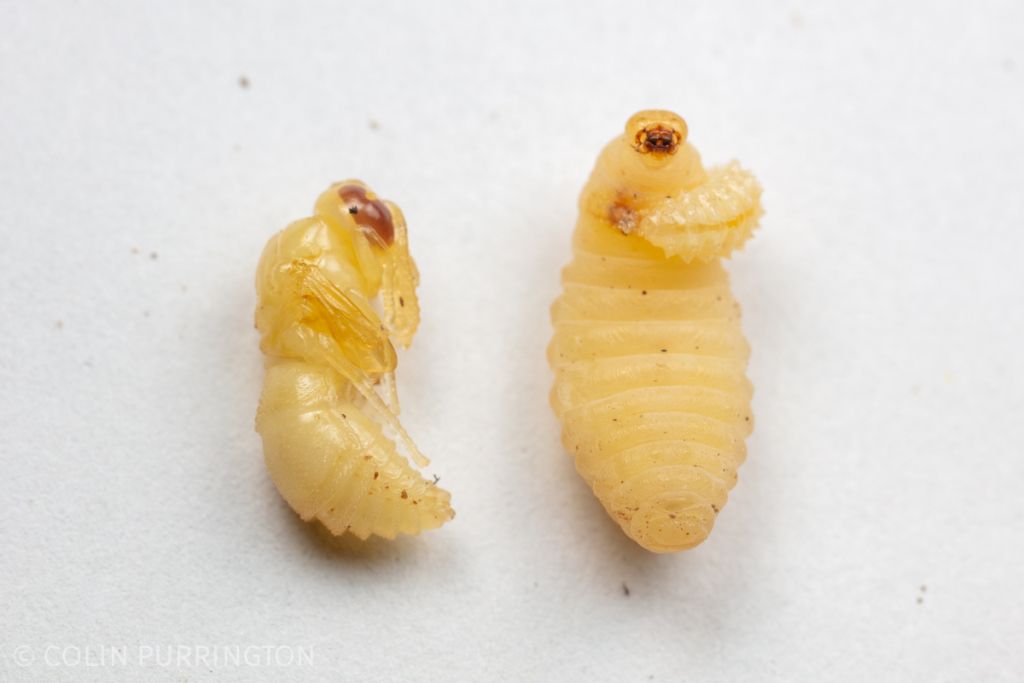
x=370, y=214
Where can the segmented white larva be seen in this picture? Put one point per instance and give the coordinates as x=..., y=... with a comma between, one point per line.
x=648, y=354
x=320, y=416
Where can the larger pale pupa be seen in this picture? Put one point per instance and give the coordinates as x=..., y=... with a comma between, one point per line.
x=648, y=354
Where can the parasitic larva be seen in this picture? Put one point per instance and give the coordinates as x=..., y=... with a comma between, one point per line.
x=320, y=416
x=648, y=354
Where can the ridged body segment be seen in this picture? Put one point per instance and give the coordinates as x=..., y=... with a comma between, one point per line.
x=648, y=354
x=332, y=462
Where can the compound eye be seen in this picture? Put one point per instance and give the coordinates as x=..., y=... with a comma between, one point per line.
x=371, y=215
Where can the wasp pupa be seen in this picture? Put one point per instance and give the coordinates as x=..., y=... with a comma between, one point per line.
x=329, y=400
x=648, y=354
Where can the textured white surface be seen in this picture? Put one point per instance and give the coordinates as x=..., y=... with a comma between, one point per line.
x=882, y=298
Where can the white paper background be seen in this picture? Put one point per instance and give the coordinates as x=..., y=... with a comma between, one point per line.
x=882, y=298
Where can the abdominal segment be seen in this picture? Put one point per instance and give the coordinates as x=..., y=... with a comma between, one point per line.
x=333, y=463
x=650, y=386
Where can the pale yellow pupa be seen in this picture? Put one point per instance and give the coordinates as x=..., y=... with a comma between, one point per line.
x=648, y=354
x=327, y=349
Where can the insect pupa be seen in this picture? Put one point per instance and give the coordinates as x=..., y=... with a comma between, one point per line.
x=329, y=358
x=648, y=354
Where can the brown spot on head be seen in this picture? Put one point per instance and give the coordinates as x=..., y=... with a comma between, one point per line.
x=370, y=214
x=657, y=140
x=656, y=132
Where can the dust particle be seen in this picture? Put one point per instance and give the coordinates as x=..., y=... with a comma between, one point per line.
x=59, y=324
x=243, y=82
x=625, y=589
x=153, y=256
x=374, y=124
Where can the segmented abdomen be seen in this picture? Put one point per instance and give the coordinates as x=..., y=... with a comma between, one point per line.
x=332, y=462
x=649, y=363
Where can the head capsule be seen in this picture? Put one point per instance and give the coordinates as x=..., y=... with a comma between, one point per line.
x=654, y=153
x=351, y=202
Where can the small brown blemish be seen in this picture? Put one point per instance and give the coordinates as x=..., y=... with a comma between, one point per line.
x=715, y=508
x=59, y=324
x=405, y=494
x=375, y=475
x=643, y=292
x=623, y=218
x=243, y=82
x=625, y=589
x=401, y=301
x=664, y=350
